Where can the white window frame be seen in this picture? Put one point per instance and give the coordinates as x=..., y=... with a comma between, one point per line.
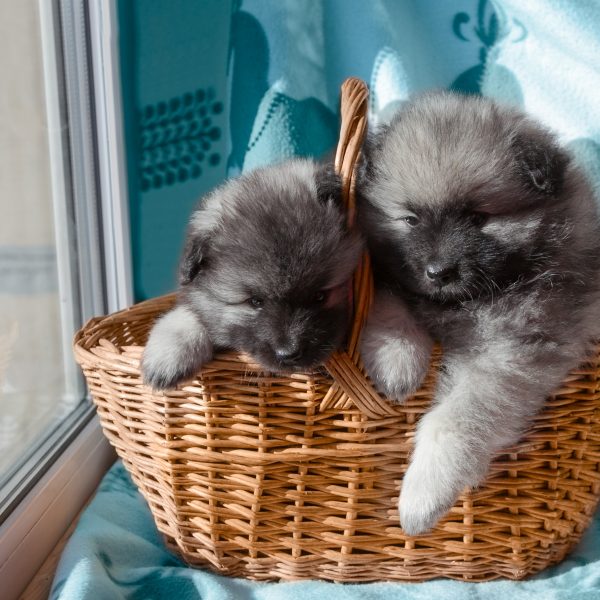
x=81, y=73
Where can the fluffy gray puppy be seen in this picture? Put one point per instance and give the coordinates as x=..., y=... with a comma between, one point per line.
x=264, y=271
x=486, y=237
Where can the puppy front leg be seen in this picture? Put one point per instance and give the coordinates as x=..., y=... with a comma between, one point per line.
x=447, y=457
x=482, y=406
x=395, y=350
x=178, y=346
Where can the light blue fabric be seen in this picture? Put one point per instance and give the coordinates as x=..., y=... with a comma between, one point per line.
x=174, y=70
x=115, y=553
x=547, y=61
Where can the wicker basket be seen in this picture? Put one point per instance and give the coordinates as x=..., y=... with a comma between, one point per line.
x=289, y=477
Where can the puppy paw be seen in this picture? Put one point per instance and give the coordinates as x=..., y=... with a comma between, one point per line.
x=394, y=376
x=394, y=348
x=396, y=365
x=422, y=502
x=447, y=458
x=177, y=347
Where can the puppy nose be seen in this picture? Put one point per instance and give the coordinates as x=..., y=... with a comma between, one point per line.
x=441, y=274
x=288, y=354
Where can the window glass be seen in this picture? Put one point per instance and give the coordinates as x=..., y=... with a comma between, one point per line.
x=35, y=395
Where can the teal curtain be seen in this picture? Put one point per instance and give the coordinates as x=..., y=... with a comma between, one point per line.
x=213, y=88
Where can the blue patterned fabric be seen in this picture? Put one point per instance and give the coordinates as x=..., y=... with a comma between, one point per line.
x=116, y=553
x=217, y=87
x=174, y=66
x=547, y=61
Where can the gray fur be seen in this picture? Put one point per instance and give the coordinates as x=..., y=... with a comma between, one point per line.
x=265, y=270
x=485, y=195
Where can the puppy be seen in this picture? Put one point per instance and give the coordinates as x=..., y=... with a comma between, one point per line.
x=265, y=270
x=486, y=237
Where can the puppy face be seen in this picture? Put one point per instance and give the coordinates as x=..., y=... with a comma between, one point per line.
x=267, y=265
x=461, y=197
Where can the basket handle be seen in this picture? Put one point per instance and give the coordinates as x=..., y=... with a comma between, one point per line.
x=351, y=386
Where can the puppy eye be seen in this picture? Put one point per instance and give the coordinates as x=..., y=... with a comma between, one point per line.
x=410, y=220
x=479, y=219
x=320, y=297
x=255, y=302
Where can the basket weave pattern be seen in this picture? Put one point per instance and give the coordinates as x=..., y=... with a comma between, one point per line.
x=290, y=477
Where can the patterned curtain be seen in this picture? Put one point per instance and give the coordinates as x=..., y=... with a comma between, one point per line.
x=216, y=87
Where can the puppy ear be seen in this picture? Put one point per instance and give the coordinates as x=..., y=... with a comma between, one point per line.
x=329, y=183
x=542, y=163
x=370, y=151
x=194, y=253
x=203, y=224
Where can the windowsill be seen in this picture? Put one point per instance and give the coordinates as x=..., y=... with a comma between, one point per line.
x=33, y=530
x=39, y=588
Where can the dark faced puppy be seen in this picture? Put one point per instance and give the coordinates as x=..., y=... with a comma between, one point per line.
x=265, y=271
x=484, y=235
x=462, y=195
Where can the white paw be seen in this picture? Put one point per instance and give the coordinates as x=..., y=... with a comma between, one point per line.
x=423, y=501
x=447, y=459
x=395, y=369
x=177, y=347
x=394, y=348
x=396, y=365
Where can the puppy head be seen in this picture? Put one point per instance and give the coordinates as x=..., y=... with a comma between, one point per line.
x=461, y=196
x=267, y=263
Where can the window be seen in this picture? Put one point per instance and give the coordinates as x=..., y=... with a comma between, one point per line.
x=63, y=258
x=36, y=390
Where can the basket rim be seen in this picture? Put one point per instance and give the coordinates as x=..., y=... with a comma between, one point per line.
x=95, y=325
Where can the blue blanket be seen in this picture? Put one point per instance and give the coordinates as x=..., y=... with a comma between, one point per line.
x=117, y=553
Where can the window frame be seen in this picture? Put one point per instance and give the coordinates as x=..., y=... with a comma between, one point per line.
x=89, y=190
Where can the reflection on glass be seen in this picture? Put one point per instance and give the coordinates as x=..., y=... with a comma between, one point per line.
x=33, y=397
